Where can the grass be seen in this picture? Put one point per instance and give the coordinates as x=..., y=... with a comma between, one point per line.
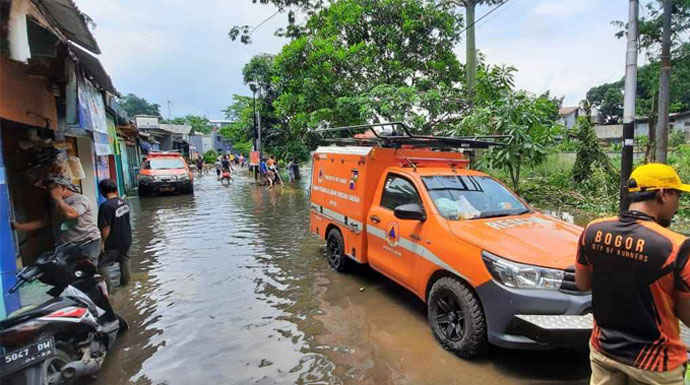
x=550, y=185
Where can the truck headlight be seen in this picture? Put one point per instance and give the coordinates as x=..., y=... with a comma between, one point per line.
x=183, y=177
x=521, y=276
x=144, y=178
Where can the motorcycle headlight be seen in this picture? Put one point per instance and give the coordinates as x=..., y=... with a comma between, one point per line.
x=521, y=276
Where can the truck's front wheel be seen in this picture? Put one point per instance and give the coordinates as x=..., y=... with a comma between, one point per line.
x=335, y=251
x=456, y=318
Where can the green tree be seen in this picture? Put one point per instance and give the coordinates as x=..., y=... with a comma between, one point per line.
x=588, y=151
x=200, y=124
x=650, y=27
x=366, y=60
x=471, y=51
x=608, y=97
x=291, y=8
x=529, y=121
x=662, y=30
x=135, y=105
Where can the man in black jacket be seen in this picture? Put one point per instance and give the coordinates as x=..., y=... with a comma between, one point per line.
x=116, y=231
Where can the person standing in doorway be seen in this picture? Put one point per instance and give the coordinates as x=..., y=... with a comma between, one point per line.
x=638, y=272
x=116, y=230
x=72, y=217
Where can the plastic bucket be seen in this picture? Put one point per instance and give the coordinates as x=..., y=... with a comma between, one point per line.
x=111, y=272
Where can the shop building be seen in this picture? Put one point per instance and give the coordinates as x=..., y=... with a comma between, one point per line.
x=53, y=122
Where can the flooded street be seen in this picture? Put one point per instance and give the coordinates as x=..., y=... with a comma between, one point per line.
x=229, y=288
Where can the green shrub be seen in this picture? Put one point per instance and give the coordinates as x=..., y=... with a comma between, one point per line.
x=210, y=156
x=676, y=138
x=243, y=147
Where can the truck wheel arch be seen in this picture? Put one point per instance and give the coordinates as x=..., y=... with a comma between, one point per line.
x=438, y=274
x=328, y=230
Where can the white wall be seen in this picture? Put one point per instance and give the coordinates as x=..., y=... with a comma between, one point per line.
x=18, y=36
x=86, y=156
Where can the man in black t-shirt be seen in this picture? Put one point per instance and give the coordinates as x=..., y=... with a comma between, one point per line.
x=639, y=275
x=116, y=231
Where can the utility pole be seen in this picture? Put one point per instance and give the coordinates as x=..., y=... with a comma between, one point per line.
x=664, y=88
x=169, y=111
x=471, y=55
x=258, y=131
x=255, y=87
x=629, y=104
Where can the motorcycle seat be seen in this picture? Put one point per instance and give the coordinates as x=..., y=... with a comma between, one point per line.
x=23, y=314
x=31, y=311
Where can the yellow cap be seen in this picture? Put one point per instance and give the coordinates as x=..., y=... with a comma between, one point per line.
x=655, y=176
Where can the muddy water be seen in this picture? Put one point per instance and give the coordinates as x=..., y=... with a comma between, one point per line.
x=229, y=288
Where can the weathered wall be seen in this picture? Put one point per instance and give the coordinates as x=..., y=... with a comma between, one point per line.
x=25, y=99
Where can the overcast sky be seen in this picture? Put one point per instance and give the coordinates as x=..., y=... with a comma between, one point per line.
x=179, y=50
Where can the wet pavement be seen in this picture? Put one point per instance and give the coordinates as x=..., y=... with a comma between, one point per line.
x=228, y=287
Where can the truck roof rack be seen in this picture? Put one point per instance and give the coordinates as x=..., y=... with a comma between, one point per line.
x=401, y=135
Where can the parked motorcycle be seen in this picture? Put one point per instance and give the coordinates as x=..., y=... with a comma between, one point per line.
x=66, y=337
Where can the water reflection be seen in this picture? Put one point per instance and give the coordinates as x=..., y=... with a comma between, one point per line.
x=228, y=288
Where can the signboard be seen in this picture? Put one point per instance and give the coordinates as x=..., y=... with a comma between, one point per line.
x=254, y=158
x=147, y=122
x=91, y=107
x=112, y=136
x=102, y=144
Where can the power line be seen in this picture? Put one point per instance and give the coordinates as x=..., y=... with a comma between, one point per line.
x=484, y=15
x=265, y=20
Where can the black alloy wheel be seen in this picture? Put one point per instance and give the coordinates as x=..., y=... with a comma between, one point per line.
x=450, y=316
x=335, y=251
x=456, y=318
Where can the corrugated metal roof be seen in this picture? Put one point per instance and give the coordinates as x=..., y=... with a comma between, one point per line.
x=182, y=129
x=93, y=68
x=70, y=21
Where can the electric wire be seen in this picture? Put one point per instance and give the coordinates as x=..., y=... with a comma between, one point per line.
x=265, y=20
x=485, y=15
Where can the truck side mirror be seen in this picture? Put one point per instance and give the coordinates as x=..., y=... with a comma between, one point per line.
x=410, y=211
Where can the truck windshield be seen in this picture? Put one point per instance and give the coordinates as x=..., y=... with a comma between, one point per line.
x=470, y=197
x=166, y=163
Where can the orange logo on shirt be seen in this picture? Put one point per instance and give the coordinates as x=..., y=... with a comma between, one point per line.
x=628, y=247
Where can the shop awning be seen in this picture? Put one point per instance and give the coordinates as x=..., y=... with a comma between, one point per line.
x=70, y=21
x=93, y=68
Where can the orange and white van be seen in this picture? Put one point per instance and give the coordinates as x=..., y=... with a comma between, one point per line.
x=477, y=254
x=165, y=171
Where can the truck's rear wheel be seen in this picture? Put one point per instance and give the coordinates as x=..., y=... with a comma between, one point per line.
x=456, y=318
x=335, y=251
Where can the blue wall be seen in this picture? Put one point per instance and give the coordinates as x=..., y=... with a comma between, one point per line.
x=8, y=263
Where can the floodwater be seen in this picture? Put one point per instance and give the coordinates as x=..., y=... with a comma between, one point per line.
x=228, y=287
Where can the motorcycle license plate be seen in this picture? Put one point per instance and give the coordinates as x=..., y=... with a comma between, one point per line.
x=26, y=356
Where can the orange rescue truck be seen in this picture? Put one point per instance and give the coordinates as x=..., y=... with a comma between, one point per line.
x=490, y=268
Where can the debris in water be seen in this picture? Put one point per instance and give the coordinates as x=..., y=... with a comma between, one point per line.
x=264, y=362
x=361, y=289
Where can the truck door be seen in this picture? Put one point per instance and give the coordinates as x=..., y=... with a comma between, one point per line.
x=391, y=239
